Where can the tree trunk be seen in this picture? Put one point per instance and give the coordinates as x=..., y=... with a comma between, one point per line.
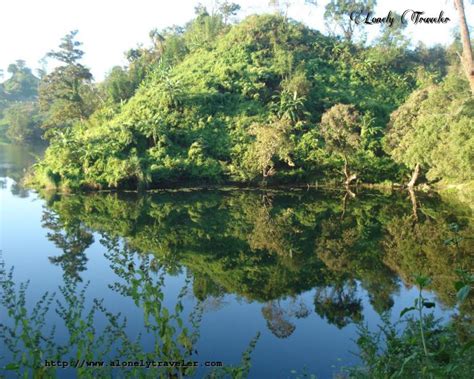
x=414, y=205
x=348, y=194
x=344, y=205
x=349, y=177
x=414, y=176
x=268, y=171
x=467, y=59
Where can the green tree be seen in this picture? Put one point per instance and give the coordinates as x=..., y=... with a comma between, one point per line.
x=391, y=36
x=401, y=128
x=337, y=14
x=119, y=85
x=65, y=93
x=467, y=58
x=272, y=143
x=340, y=127
x=432, y=131
x=22, y=84
x=227, y=9
x=18, y=96
x=204, y=29
x=24, y=122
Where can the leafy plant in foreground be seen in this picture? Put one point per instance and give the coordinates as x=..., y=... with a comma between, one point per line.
x=425, y=348
x=25, y=334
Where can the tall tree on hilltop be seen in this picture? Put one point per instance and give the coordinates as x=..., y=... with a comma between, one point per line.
x=337, y=14
x=65, y=93
x=22, y=85
x=227, y=10
x=392, y=36
x=282, y=6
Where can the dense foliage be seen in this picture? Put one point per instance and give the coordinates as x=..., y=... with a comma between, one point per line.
x=219, y=103
x=64, y=95
x=424, y=348
x=434, y=128
x=20, y=119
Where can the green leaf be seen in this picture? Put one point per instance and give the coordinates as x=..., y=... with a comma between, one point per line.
x=429, y=304
x=423, y=281
x=406, y=310
x=458, y=285
x=467, y=346
x=463, y=293
x=90, y=335
x=405, y=361
x=12, y=366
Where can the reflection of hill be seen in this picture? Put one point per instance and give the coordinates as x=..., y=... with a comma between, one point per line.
x=265, y=247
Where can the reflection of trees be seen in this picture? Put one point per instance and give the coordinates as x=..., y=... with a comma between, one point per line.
x=424, y=248
x=18, y=190
x=381, y=289
x=276, y=247
x=350, y=250
x=349, y=194
x=73, y=239
x=271, y=232
x=204, y=287
x=339, y=305
x=277, y=320
x=414, y=203
x=16, y=161
x=298, y=308
x=336, y=244
x=278, y=315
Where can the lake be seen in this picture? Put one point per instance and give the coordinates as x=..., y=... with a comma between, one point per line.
x=271, y=282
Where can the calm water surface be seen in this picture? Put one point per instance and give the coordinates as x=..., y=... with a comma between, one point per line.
x=271, y=280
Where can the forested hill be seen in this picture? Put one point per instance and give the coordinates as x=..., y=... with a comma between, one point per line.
x=267, y=99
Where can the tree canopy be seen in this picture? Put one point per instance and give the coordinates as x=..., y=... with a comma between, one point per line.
x=434, y=129
x=19, y=113
x=65, y=94
x=267, y=98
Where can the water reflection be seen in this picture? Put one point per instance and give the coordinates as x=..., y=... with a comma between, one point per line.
x=72, y=239
x=297, y=255
x=264, y=247
x=14, y=164
x=35, y=351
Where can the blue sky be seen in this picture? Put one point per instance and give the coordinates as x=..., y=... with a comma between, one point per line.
x=30, y=28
